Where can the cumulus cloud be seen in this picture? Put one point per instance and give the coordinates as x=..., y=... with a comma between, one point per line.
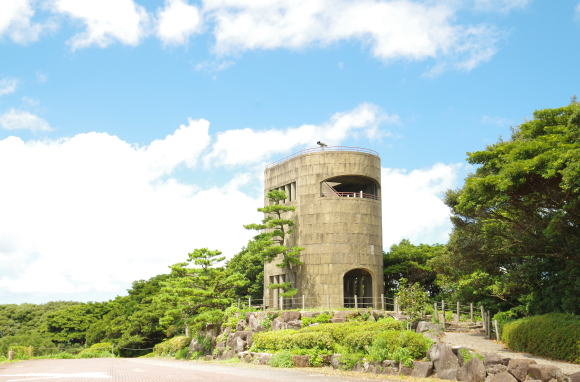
x=412, y=203
x=245, y=146
x=93, y=212
x=8, y=85
x=392, y=29
x=105, y=21
x=178, y=21
x=15, y=119
x=16, y=21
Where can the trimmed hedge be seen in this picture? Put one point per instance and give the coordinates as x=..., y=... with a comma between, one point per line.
x=554, y=335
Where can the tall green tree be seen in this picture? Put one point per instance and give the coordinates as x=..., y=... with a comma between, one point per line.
x=411, y=262
x=272, y=243
x=516, y=219
x=197, y=286
x=249, y=262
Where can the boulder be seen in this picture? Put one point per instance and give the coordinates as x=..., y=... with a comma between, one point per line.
x=262, y=358
x=241, y=325
x=335, y=361
x=278, y=324
x=574, y=377
x=426, y=326
x=472, y=371
x=255, y=321
x=342, y=314
x=309, y=314
x=496, y=369
x=337, y=320
x=519, y=368
x=195, y=346
x=295, y=324
x=404, y=370
x=504, y=376
x=494, y=359
x=290, y=316
x=443, y=357
x=422, y=369
x=372, y=367
x=301, y=360
x=545, y=372
x=239, y=345
x=450, y=373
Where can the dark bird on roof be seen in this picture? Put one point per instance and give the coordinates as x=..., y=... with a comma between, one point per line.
x=321, y=144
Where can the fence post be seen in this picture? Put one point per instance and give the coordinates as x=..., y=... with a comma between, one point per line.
x=482, y=316
x=382, y=301
x=443, y=313
x=249, y=301
x=471, y=311
x=435, y=314
x=303, y=302
x=187, y=333
x=355, y=302
x=11, y=355
x=396, y=301
x=281, y=307
x=496, y=326
x=458, y=313
x=488, y=320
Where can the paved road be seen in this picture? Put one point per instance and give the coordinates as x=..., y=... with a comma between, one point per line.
x=152, y=370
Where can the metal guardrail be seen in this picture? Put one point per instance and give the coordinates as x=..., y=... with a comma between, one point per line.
x=360, y=195
x=324, y=149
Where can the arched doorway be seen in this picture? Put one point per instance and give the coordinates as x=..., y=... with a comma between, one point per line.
x=359, y=283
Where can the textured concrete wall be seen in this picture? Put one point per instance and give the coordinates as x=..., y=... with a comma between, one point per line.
x=338, y=233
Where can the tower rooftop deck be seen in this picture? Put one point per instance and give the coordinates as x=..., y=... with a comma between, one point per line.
x=324, y=149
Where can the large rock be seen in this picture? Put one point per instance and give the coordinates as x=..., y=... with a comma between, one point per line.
x=342, y=315
x=335, y=361
x=309, y=314
x=472, y=371
x=256, y=320
x=519, y=368
x=443, y=358
x=574, y=377
x=295, y=324
x=241, y=325
x=447, y=374
x=545, y=372
x=290, y=316
x=422, y=369
x=494, y=359
x=426, y=326
x=496, y=369
x=404, y=370
x=301, y=360
x=239, y=345
x=504, y=376
x=262, y=358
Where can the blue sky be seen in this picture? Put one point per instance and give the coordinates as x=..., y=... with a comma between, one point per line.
x=133, y=131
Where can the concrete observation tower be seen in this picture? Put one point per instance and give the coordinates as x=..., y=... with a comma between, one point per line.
x=337, y=195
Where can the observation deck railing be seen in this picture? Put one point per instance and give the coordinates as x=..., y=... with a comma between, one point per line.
x=324, y=149
x=360, y=195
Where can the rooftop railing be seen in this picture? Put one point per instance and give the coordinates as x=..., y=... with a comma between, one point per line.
x=323, y=149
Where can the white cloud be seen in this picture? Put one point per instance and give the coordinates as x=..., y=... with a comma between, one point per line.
x=245, y=146
x=412, y=204
x=8, y=85
x=92, y=213
x=393, y=29
x=501, y=6
x=178, y=21
x=15, y=21
x=106, y=21
x=15, y=119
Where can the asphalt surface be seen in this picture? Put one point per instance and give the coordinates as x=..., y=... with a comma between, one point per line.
x=152, y=370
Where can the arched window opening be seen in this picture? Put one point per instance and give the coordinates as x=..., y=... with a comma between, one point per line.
x=350, y=186
x=358, y=289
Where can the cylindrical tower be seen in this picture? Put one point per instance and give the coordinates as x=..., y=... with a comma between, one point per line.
x=336, y=192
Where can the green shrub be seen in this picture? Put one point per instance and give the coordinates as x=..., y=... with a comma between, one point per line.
x=315, y=356
x=282, y=359
x=182, y=354
x=106, y=346
x=87, y=353
x=468, y=355
x=554, y=335
x=388, y=345
x=349, y=360
x=22, y=352
x=322, y=318
x=171, y=346
x=290, y=339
